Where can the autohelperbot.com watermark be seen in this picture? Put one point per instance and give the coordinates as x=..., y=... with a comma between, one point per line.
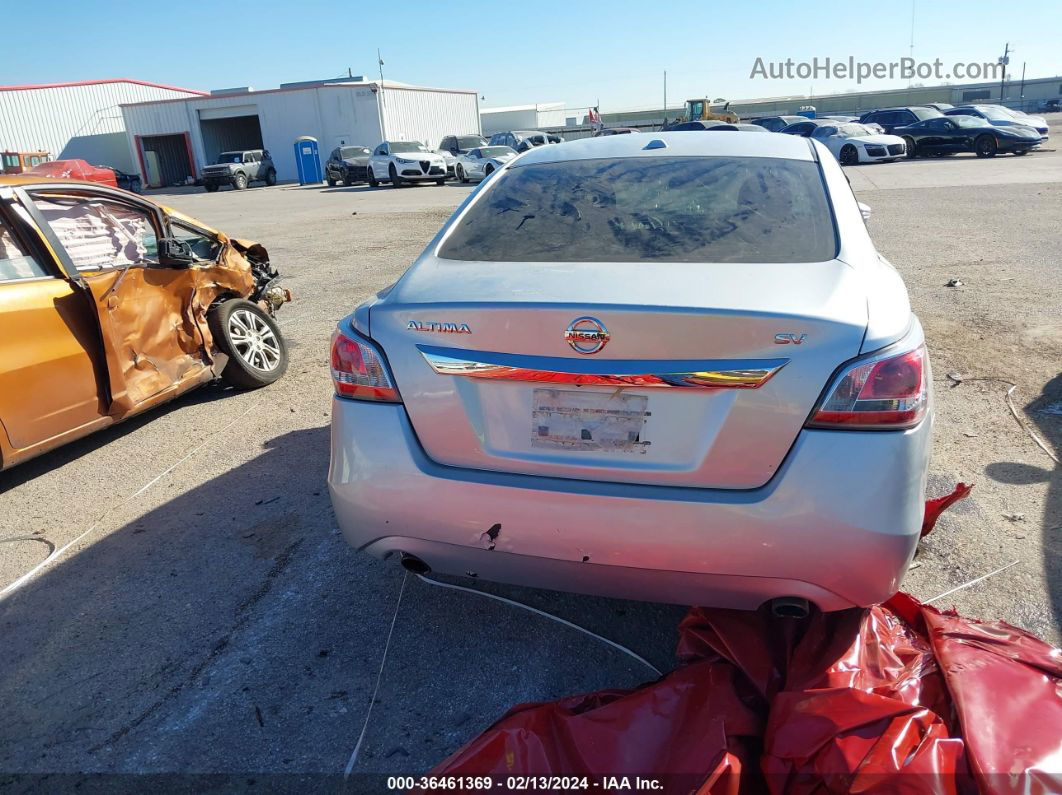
x=851, y=69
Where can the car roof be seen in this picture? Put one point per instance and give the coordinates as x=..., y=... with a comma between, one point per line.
x=676, y=144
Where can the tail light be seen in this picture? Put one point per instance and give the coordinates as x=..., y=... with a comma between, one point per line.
x=885, y=393
x=359, y=370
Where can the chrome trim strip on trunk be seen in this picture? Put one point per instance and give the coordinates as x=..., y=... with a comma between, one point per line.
x=647, y=374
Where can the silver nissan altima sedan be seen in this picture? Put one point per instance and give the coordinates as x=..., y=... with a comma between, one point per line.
x=668, y=367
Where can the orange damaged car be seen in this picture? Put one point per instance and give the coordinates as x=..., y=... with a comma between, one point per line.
x=111, y=304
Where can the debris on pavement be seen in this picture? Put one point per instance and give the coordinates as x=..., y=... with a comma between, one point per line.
x=935, y=507
x=897, y=697
x=953, y=283
x=1014, y=517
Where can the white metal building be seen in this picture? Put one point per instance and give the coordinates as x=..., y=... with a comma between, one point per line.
x=524, y=117
x=76, y=120
x=173, y=139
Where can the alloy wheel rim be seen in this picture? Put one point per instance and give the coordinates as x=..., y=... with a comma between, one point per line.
x=254, y=340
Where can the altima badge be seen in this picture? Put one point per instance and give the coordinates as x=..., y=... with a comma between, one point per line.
x=586, y=335
x=444, y=328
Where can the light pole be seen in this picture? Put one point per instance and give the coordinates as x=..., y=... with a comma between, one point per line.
x=1004, y=61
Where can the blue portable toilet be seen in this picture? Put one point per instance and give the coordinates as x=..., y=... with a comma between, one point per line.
x=807, y=111
x=307, y=160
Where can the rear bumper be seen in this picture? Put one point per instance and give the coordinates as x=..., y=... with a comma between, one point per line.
x=837, y=525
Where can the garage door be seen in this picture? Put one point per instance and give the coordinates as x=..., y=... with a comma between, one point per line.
x=230, y=134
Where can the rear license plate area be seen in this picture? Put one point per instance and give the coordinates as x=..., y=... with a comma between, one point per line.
x=612, y=422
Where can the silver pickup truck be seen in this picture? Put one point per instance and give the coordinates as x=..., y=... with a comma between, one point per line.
x=239, y=169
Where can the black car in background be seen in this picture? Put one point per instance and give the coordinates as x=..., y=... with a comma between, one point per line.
x=701, y=126
x=775, y=123
x=805, y=127
x=948, y=134
x=461, y=144
x=347, y=164
x=891, y=118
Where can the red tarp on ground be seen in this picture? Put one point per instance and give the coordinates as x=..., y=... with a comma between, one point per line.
x=900, y=697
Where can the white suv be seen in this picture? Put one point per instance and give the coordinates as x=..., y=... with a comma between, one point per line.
x=401, y=162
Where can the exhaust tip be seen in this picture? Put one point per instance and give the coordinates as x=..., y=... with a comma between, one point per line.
x=790, y=607
x=414, y=564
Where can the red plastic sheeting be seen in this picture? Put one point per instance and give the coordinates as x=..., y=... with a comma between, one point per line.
x=937, y=506
x=897, y=698
x=74, y=169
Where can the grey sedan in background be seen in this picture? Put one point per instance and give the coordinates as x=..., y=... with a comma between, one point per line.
x=480, y=163
x=669, y=367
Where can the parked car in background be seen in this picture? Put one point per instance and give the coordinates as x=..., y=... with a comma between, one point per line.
x=538, y=139
x=513, y=138
x=613, y=131
x=129, y=305
x=452, y=146
x=129, y=182
x=75, y=169
x=702, y=126
x=941, y=106
x=404, y=163
x=853, y=143
x=483, y=161
x=1051, y=105
x=746, y=127
x=764, y=397
x=950, y=134
x=1002, y=117
x=890, y=118
x=841, y=118
x=805, y=127
x=239, y=169
x=347, y=164
x=775, y=123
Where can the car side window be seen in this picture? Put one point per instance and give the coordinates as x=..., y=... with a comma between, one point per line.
x=334, y=155
x=824, y=132
x=15, y=260
x=203, y=246
x=381, y=150
x=100, y=233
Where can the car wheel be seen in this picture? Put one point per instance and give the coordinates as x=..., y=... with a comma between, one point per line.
x=395, y=179
x=210, y=187
x=347, y=181
x=239, y=182
x=912, y=149
x=461, y=174
x=331, y=182
x=373, y=182
x=985, y=146
x=271, y=177
x=252, y=341
x=849, y=155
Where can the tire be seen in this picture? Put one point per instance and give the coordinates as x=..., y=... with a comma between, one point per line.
x=239, y=182
x=488, y=171
x=211, y=187
x=912, y=148
x=396, y=180
x=985, y=146
x=331, y=182
x=251, y=339
x=347, y=181
x=849, y=155
x=271, y=178
x=371, y=177
x=460, y=174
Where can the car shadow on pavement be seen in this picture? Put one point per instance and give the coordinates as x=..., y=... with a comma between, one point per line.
x=231, y=630
x=1048, y=426
x=61, y=456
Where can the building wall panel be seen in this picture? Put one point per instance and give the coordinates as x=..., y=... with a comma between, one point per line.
x=428, y=116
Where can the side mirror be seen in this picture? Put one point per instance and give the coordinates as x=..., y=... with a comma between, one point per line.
x=175, y=253
x=864, y=210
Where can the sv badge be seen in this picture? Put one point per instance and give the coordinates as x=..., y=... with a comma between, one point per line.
x=789, y=339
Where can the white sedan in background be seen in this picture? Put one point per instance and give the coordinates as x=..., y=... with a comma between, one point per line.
x=405, y=162
x=482, y=162
x=853, y=143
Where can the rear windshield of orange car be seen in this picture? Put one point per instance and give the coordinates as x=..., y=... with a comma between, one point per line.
x=671, y=209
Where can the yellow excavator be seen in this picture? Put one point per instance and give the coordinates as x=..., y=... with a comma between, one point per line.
x=700, y=110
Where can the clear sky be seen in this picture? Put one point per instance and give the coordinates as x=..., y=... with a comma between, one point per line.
x=580, y=52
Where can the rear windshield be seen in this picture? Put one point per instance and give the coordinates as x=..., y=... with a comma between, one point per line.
x=673, y=209
x=470, y=141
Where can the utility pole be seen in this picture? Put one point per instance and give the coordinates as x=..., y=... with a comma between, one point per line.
x=911, y=51
x=1004, y=60
x=383, y=129
x=665, y=97
x=1021, y=94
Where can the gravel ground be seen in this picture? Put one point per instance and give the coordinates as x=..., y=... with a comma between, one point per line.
x=207, y=617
